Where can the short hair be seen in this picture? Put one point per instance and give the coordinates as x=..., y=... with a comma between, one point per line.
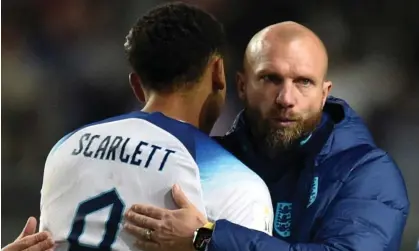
x=172, y=44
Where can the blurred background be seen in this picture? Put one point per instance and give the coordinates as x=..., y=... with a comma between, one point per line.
x=63, y=66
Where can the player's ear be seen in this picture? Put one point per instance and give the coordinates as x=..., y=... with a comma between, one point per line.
x=135, y=82
x=218, y=74
x=327, y=87
x=241, y=85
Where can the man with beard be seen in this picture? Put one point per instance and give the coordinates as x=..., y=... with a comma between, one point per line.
x=332, y=188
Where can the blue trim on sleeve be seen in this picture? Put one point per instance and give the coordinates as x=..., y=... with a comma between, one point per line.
x=61, y=141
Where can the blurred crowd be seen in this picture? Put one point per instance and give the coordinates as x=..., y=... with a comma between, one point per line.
x=63, y=66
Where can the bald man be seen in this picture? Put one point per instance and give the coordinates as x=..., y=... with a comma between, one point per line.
x=332, y=187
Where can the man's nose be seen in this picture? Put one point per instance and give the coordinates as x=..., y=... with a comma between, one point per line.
x=286, y=94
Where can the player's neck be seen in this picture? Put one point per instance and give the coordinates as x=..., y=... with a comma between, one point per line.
x=177, y=107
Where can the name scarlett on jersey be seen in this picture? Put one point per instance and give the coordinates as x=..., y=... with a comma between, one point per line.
x=113, y=148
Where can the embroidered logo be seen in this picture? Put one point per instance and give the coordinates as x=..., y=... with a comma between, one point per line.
x=282, y=221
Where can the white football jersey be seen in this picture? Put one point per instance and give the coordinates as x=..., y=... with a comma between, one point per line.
x=93, y=175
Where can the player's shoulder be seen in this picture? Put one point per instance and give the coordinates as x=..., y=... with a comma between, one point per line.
x=231, y=185
x=214, y=160
x=209, y=150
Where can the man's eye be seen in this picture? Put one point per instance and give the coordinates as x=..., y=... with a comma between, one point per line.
x=305, y=81
x=266, y=78
x=269, y=78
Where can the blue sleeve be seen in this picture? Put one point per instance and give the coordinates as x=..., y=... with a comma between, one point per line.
x=369, y=213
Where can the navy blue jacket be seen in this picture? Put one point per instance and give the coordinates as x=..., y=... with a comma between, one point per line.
x=335, y=191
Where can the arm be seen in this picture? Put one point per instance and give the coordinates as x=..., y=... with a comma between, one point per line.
x=369, y=213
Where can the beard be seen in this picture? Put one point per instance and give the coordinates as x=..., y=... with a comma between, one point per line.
x=273, y=138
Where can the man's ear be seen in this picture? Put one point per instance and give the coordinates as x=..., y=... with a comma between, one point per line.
x=135, y=82
x=218, y=75
x=241, y=85
x=327, y=87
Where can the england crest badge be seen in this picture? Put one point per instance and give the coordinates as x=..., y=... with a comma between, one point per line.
x=282, y=221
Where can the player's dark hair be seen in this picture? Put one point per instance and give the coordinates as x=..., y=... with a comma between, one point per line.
x=172, y=44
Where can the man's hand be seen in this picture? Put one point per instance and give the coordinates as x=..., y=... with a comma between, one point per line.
x=28, y=240
x=158, y=229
